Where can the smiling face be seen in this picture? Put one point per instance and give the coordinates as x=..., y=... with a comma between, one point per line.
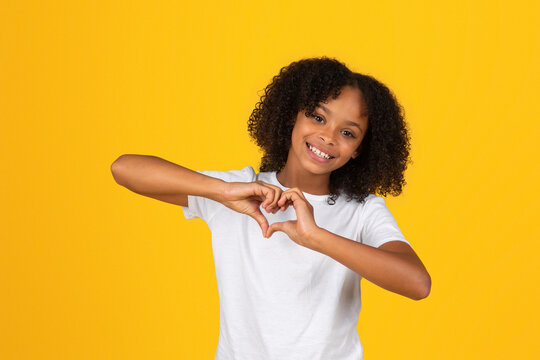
x=331, y=136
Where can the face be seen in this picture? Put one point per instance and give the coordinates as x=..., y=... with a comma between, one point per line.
x=331, y=136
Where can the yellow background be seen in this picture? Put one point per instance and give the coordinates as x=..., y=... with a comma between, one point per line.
x=90, y=270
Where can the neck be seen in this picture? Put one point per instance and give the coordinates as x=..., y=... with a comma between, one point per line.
x=308, y=183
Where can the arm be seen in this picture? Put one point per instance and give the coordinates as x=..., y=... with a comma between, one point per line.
x=393, y=266
x=163, y=180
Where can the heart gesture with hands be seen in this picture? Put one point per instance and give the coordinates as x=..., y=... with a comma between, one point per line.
x=246, y=198
x=301, y=229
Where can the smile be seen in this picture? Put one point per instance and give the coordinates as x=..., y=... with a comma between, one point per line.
x=318, y=152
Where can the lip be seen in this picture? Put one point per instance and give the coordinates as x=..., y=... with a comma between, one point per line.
x=315, y=157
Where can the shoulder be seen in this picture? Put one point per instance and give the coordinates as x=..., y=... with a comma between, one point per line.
x=246, y=174
x=371, y=205
x=379, y=224
x=373, y=199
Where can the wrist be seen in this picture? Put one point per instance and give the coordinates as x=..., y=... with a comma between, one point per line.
x=316, y=238
x=215, y=189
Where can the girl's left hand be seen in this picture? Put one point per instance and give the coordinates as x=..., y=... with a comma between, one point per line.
x=301, y=229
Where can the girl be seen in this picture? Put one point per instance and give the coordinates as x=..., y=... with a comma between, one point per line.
x=292, y=242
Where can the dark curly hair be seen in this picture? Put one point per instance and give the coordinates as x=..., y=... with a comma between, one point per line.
x=301, y=86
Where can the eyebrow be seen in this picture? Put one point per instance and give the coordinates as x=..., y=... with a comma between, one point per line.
x=348, y=122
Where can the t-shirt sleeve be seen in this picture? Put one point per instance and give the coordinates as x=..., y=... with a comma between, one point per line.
x=199, y=206
x=205, y=208
x=379, y=225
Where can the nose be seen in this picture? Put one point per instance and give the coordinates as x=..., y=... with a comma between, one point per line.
x=327, y=136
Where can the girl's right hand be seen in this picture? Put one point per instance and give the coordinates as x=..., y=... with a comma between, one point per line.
x=246, y=198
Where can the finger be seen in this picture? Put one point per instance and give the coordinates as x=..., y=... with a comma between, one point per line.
x=270, y=203
x=277, y=195
x=274, y=194
x=299, y=193
x=286, y=226
x=259, y=193
x=288, y=197
x=295, y=198
x=272, y=197
x=273, y=228
x=261, y=220
x=287, y=204
x=265, y=193
x=284, y=201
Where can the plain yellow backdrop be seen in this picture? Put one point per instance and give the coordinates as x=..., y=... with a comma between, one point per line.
x=90, y=270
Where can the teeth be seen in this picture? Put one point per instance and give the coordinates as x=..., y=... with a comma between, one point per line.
x=319, y=153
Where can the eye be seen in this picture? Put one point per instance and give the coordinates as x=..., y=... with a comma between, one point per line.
x=348, y=133
x=318, y=118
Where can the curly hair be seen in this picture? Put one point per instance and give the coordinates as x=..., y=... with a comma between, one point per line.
x=301, y=86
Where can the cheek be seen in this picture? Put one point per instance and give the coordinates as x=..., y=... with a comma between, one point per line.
x=299, y=132
x=352, y=146
x=294, y=136
x=354, y=150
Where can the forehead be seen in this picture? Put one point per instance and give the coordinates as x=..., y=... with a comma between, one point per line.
x=349, y=105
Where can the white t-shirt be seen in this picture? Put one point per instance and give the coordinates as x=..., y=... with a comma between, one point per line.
x=280, y=300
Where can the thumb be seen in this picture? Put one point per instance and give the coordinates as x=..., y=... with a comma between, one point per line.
x=259, y=217
x=277, y=226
